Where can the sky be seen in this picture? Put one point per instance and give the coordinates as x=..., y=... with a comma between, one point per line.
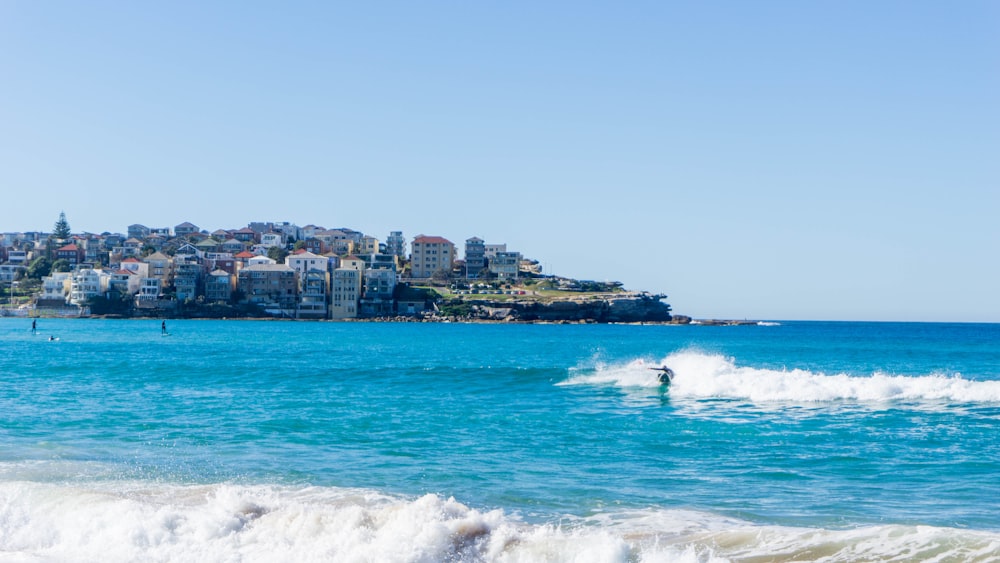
x=771, y=160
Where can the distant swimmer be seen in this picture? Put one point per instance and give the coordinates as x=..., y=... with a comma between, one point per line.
x=52, y=338
x=665, y=376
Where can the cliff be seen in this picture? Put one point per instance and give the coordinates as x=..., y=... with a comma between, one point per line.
x=624, y=308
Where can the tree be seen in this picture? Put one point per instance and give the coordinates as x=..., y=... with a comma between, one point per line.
x=39, y=268
x=61, y=265
x=61, y=230
x=277, y=253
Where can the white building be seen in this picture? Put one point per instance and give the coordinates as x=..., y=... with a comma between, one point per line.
x=84, y=284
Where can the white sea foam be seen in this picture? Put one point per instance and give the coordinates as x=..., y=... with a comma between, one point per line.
x=713, y=376
x=112, y=521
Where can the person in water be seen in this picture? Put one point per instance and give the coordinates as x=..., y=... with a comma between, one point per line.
x=666, y=374
x=34, y=327
x=163, y=327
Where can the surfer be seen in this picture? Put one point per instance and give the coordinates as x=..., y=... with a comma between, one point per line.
x=665, y=376
x=34, y=327
x=163, y=327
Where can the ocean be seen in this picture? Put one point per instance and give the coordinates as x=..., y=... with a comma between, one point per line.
x=413, y=442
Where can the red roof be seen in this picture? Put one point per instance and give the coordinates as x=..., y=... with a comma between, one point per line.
x=69, y=248
x=245, y=254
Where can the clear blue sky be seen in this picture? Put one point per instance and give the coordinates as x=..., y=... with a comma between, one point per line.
x=769, y=160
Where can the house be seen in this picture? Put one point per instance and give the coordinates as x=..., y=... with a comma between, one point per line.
x=274, y=287
x=208, y=245
x=17, y=257
x=135, y=266
x=70, y=253
x=258, y=260
x=131, y=247
x=84, y=284
x=243, y=258
x=313, y=296
x=412, y=301
x=149, y=293
x=352, y=263
x=156, y=240
x=396, y=244
x=185, y=229
x=302, y=262
x=138, y=231
x=245, y=235
x=233, y=246
x=219, y=285
x=475, y=257
x=431, y=254
x=367, y=245
x=187, y=279
x=272, y=239
x=55, y=289
x=378, y=288
x=187, y=249
x=506, y=265
x=220, y=261
x=159, y=266
x=125, y=282
x=492, y=250
x=380, y=261
x=314, y=245
x=345, y=292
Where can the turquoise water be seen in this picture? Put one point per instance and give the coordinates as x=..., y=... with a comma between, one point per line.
x=263, y=441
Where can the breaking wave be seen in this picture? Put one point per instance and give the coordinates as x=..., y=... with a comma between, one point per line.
x=712, y=376
x=151, y=521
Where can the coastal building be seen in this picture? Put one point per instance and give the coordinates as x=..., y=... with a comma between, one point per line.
x=185, y=229
x=159, y=266
x=272, y=239
x=303, y=261
x=138, y=231
x=396, y=244
x=352, y=263
x=219, y=286
x=491, y=250
x=131, y=247
x=187, y=279
x=233, y=246
x=55, y=289
x=377, y=292
x=313, y=297
x=273, y=287
x=475, y=257
x=135, y=266
x=149, y=293
x=345, y=293
x=124, y=282
x=84, y=284
x=70, y=253
x=245, y=235
x=506, y=265
x=430, y=255
x=367, y=245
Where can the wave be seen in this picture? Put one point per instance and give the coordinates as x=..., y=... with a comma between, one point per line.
x=112, y=521
x=712, y=376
